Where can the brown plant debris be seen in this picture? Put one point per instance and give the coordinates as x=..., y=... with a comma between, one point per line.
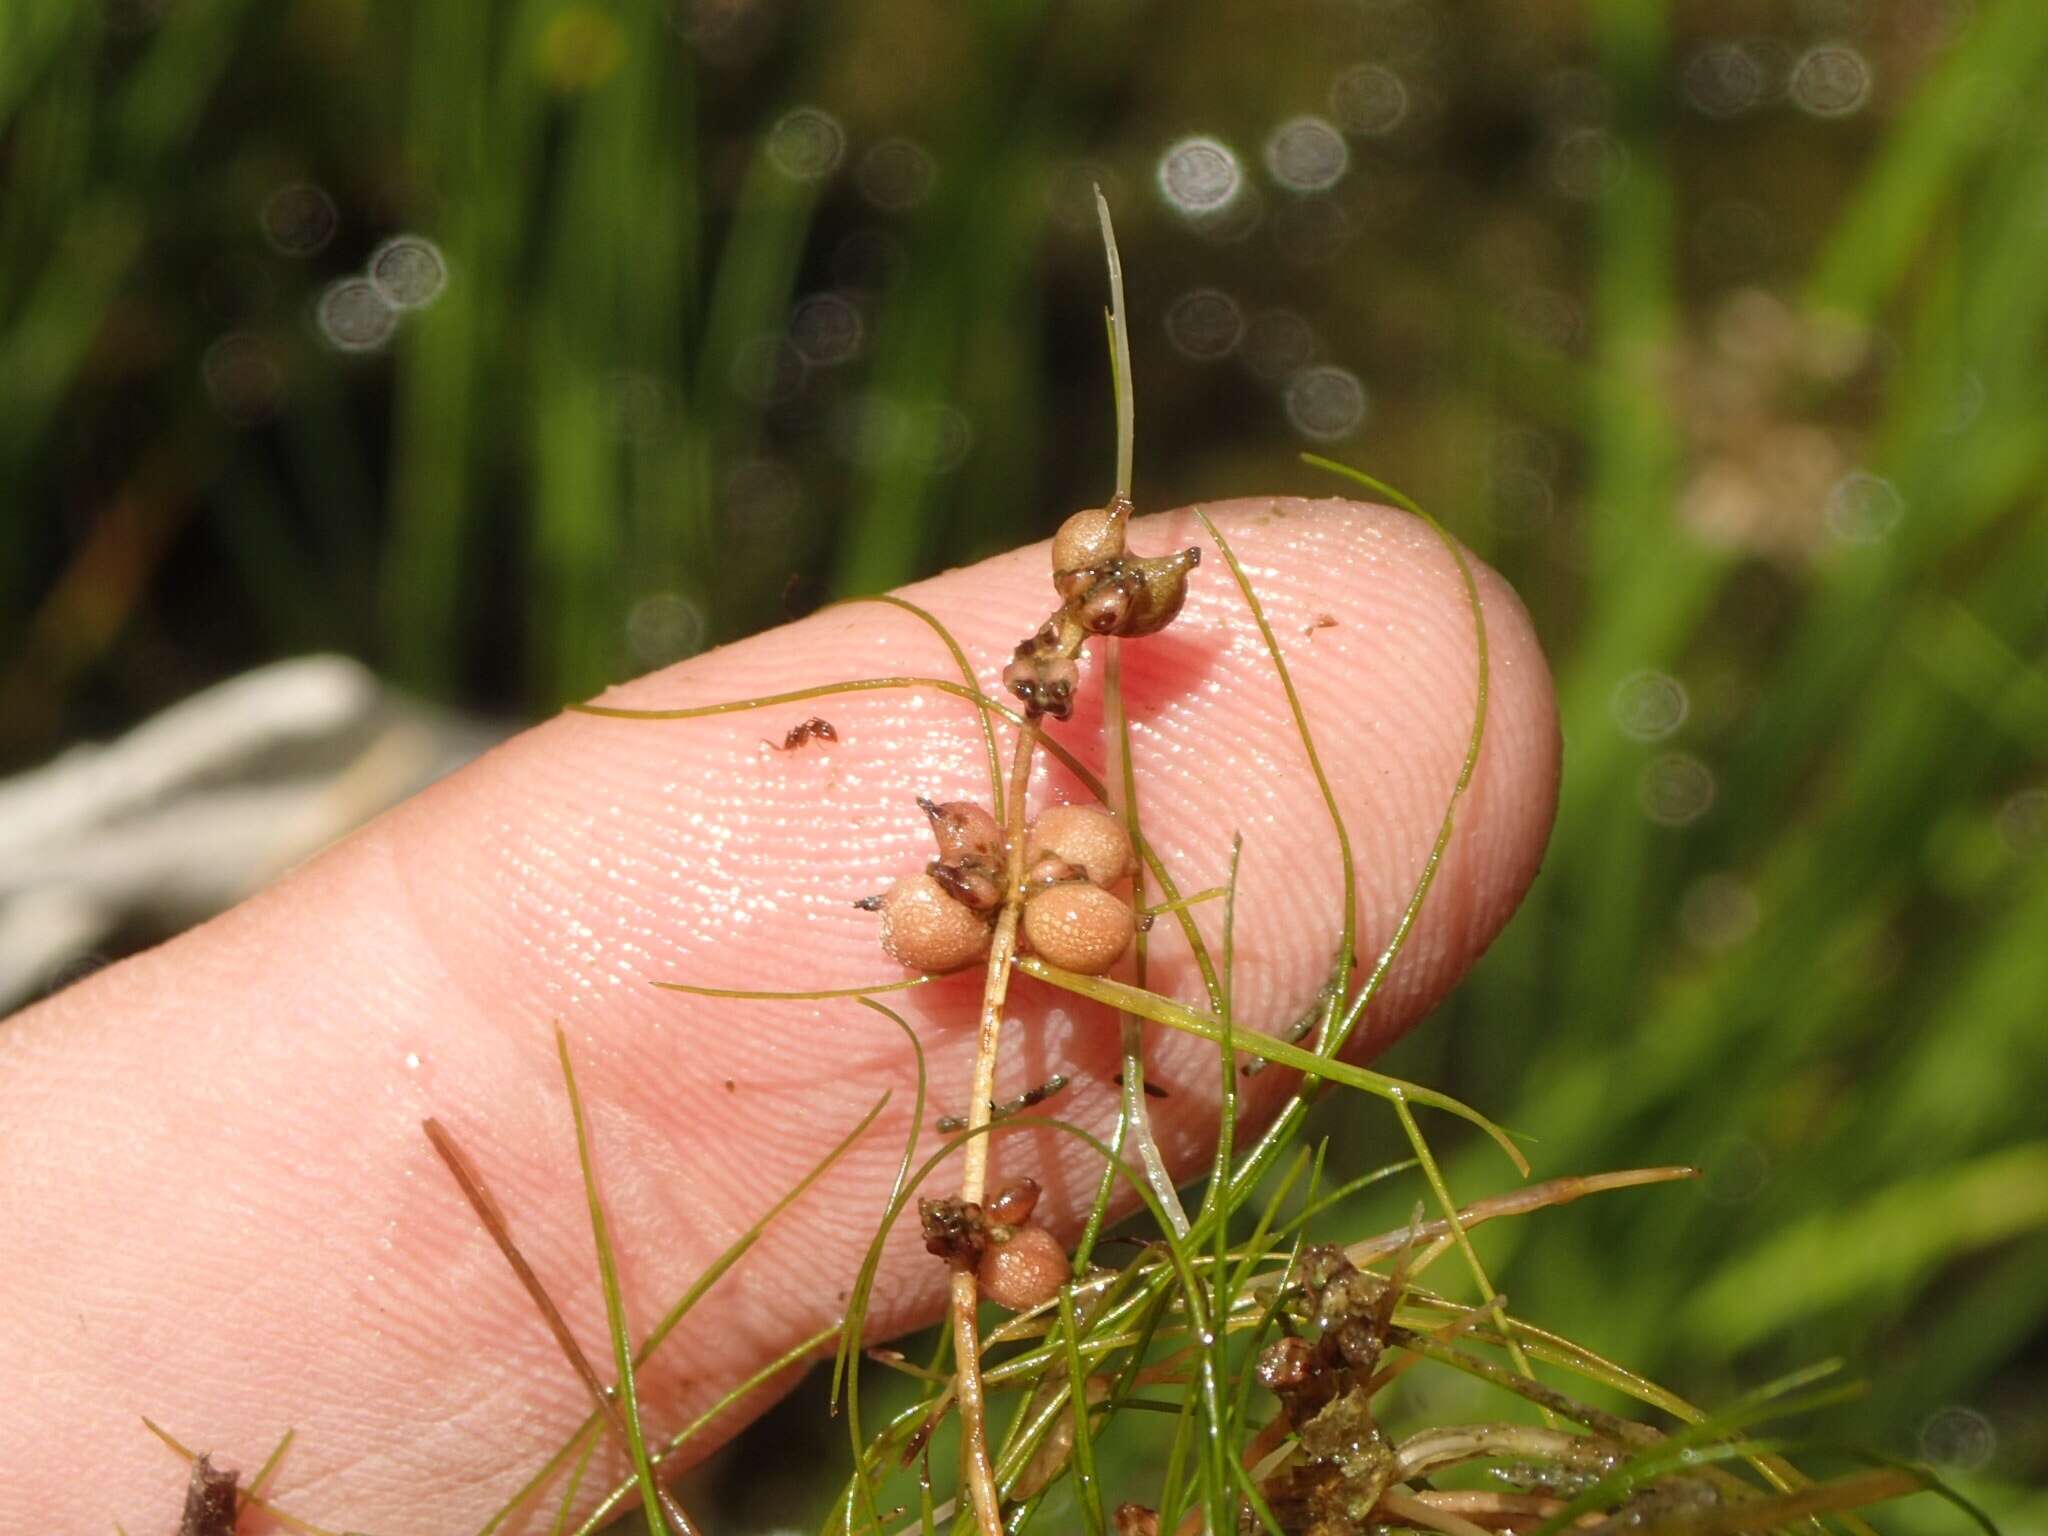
x=1344, y=1463
x=211, y=1502
x=954, y=1230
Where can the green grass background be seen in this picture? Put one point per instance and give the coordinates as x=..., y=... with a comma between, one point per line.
x=1829, y=984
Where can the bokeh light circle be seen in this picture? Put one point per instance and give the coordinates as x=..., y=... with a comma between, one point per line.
x=1863, y=508
x=806, y=144
x=1326, y=403
x=300, y=220
x=354, y=316
x=1648, y=705
x=1831, y=80
x=1204, y=324
x=1306, y=154
x=1958, y=1439
x=896, y=174
x=408, y=271
x=1675, y=789
x=826, y=329
x=1200, y=176
x=1369, y=100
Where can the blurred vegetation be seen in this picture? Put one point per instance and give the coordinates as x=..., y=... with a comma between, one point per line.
x=1718, y=327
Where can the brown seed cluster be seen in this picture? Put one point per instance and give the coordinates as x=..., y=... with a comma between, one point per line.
x=1103, y=590
x=1075, y=858
x=1018, y=1263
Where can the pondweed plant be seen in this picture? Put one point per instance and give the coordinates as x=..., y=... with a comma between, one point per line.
x=1268, y=1346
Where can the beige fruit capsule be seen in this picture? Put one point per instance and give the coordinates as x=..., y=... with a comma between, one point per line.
x=1085, y=836
x=1079, y=927
x=926, y=929
x=1162, y=587
x=1090, y=539
x=1025, y=1272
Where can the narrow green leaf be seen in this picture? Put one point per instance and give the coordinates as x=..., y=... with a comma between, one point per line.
x=614, y=1304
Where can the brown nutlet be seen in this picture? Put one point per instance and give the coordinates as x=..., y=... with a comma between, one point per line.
x=1048, y=870
x=1079, y=927
x=1105, y=608
x=927, y=928
x=975, y=883
x=1013, y=1204
x=1089, y=838
x=963, y=829
x=1026, y=1271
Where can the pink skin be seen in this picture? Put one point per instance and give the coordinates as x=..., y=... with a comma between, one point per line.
x=220, y=1210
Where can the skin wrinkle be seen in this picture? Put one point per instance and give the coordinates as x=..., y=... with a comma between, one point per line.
x=558, y=876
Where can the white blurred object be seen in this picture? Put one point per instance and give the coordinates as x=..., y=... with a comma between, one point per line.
x=201, y=806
